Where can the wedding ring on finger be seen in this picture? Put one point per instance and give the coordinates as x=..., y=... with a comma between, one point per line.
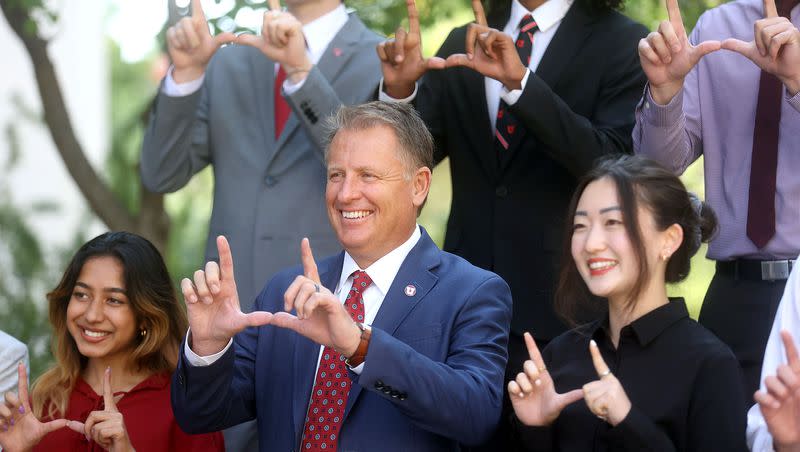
x=606, y=373
x=316, y=287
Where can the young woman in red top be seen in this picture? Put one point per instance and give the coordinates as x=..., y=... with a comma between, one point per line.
x=117, y=329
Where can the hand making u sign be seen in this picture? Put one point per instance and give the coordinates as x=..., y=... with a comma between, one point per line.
x=780, y=401
x=106, y=427
x=212, y=305
x=191, y=46
x=491, y=52
x=401, y=57
x=319, y=314
x=533, y=394
x=775, y=47
x=20, y=430
x=667, y=55
x=605, y=396
x=281, y=40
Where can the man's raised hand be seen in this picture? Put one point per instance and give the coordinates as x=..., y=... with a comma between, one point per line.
x=667, y=56
x=533, y=394
x=775, y=47
x=20, y=430
x=401, y=57
x=281, y=40
x=490, y=52
x=319, y=314
x=212, y=305
x=191, y=46
x=780, y=402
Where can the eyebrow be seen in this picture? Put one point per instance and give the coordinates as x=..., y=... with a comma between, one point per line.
x=604, y=210
x=107, y=289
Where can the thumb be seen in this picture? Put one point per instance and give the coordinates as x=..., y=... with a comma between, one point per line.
x=459, y=59
x=258, y=318
x=738, y=46
x=435, y=63
x=249, y=39
x=77, y=426
x=704, y=48
x=52, y=426
x=224, y=38
x=286, y=320
x=569, y=397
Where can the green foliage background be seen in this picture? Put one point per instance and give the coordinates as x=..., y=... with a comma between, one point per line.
x=32, y=270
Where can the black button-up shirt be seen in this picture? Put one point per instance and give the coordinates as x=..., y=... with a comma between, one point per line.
x=683, y=384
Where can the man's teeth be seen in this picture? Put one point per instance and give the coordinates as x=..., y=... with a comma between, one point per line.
x=356, y=214
x=95, y=333
x=601, y=265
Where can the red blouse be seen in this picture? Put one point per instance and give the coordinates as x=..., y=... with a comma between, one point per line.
x=148, y=419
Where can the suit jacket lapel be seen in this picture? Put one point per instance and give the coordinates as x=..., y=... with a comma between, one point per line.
x=415, y=271
x=483, y=134
x=336, y=56
x=306, y=356
x=261, y=66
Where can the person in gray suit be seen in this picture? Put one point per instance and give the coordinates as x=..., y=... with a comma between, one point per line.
x=12, y=352
x=255, y=111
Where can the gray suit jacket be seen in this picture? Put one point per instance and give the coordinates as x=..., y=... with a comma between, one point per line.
x=268, y=193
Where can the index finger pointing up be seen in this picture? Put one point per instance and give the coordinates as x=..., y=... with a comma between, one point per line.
x=477, y=8
x=108, y=395
x=413, y=16
x=597, y=359
x=22, y=386
x=275, y=5
x=307, y=257
x=674, y=14
x=533, y=351
x=197, y=9
x=225, y=258
x=792, y=357
x=770, y=10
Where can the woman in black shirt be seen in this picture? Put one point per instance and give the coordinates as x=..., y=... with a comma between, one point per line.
x=651, y=378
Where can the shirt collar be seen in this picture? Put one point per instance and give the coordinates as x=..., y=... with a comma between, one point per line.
x=649, y=326
x=548, y=14
x=382, y=271
x=320, y=32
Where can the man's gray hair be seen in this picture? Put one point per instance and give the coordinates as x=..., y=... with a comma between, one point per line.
x=416, y=142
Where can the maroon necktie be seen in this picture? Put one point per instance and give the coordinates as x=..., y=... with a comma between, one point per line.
x=282, y=109
x=507, y=131
x=764, y=161
x=332, y=385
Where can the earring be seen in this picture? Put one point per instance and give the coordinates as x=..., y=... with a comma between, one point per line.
x=143, y=332
x=664, y=257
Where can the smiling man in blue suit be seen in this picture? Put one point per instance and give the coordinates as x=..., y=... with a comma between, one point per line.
x=392, y=344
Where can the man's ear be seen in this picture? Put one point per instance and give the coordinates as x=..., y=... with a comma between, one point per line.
x=421, y=185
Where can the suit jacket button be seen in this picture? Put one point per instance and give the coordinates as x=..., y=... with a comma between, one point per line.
x=387, y=390
x=501, y=191
x=270, y=181
x=402, y=396
x=395, y=394
x=379, y=385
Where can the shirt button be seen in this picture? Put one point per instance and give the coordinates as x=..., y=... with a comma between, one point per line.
x=501, y=191
x=270, y=181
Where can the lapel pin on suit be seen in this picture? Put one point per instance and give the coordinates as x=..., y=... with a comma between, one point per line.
x=410, y=290
x=337, y=51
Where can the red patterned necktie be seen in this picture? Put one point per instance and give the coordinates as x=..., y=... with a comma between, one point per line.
x=764, y=160
x=507, y=131
x=332, y=385
x=282, y=108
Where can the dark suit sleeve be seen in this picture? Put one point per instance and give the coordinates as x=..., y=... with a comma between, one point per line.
x=459, y=398
x=175, y=145
x=575, y=140
x=215, y=397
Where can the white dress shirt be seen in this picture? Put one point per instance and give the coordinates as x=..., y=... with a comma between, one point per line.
x=382, y=272
x=318, y=33
x=548, y=17
x=787, y=318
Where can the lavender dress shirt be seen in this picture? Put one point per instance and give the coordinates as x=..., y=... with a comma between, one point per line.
x=714, y=116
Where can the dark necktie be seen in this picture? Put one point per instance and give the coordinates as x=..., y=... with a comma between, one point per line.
x=507, y=131
x=332, y=385
x=764, y=160
x=282, y=108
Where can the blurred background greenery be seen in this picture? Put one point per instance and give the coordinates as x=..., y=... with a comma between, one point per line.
x=178, y=222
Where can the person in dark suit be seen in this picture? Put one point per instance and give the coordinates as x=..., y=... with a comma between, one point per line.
x=566, y=90
x=414, y=358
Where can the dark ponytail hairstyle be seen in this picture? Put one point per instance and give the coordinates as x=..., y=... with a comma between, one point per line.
x=639, y=181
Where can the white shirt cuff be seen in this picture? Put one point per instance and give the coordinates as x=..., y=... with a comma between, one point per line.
x=382, y=96
x=511, y=97
x=290, y=88
x=202, y=361
x=174, y=89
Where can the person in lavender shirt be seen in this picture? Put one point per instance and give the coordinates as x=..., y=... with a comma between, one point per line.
x=702, y=98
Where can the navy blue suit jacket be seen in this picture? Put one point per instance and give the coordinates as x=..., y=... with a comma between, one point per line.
x=433, y=376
